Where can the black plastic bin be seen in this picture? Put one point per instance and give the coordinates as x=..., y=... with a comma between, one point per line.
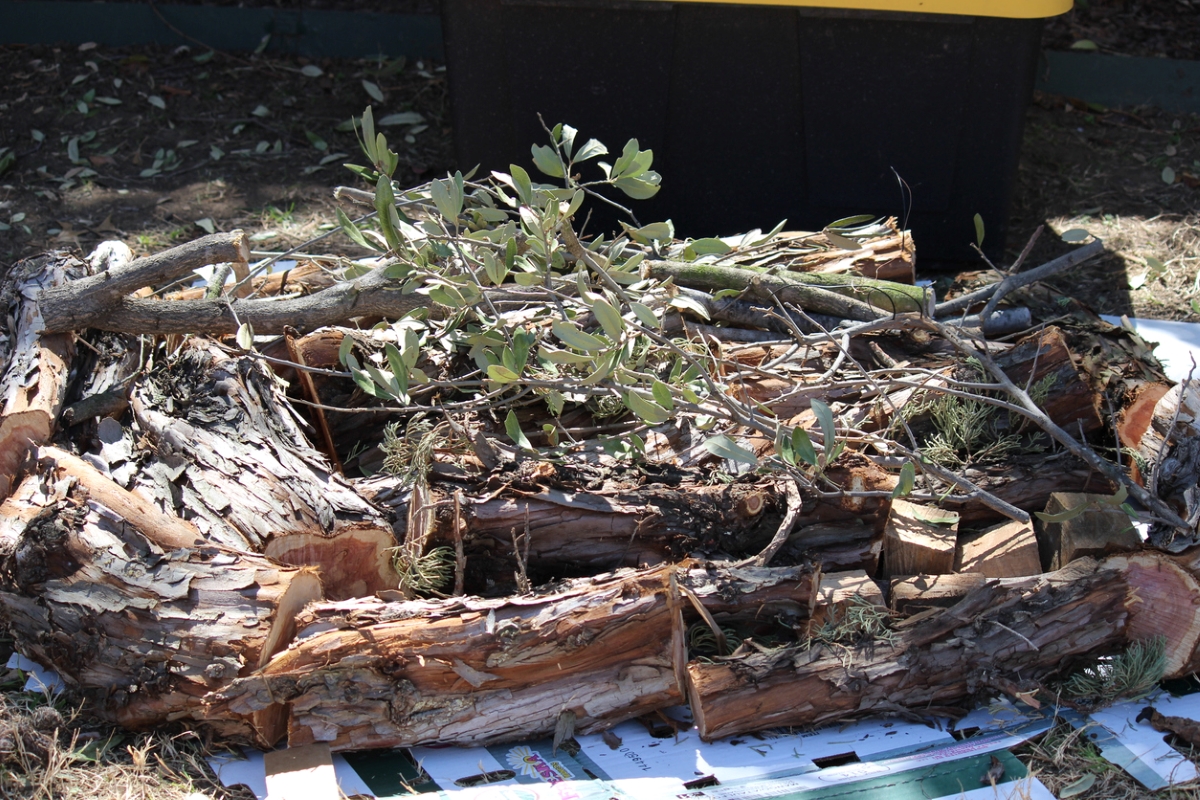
x=760, y=112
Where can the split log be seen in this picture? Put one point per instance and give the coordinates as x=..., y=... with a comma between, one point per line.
x=33, y=366
x=230, y=456
x=1085, y=525
x=1007, y=550
x=919, y=539
x=469, y=671
x=837, y=591
x=144, y=629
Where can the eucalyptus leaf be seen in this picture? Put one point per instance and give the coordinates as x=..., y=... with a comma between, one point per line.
x=373, y=90
x=979, y=231
x=590, y=149
x=501, y=374
x=571, y=336
x=546, y=160
x=724, y=447
x=609, y=318
x=352, y=231
x=1075, y=236
x=802, y=446
x=245, y=336
x=824, y=416
x=647, y=411
x=645, y=315
x=513, y=428
x=904, y=485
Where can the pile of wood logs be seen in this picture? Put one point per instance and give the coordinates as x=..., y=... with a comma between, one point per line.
x=184, y=540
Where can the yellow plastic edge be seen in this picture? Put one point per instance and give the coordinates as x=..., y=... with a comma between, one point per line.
x=1017, y=9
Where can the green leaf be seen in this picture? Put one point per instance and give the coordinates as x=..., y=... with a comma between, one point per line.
x=935, y=516
x=373, y=90
x=1075, y=236
x=648, y=411
x=353, y=232
x=662, y=395
x=1062, y=516
x=645, y=315
x=724, y=447
x=842, y=242
x=395, y=360
x=522, y=184
x=385, y=204
x=501, y=374
x=513, y=429
x=690, y=304
x=156, y=101
x=640, y=188
x=571, y=336
x=609, y=318
x=850, y=222
x=708, y=246
x=828, y=430
x=1077, y=787
x=344, y=349
x=1085, y=44
x=590, y=149
x=802, y=446
x=261, y=111
x=447, y=199
x=402, y=118
x=628, y=154
x=1168, y=175
x=311, y=71
x=546, y=160
x=979, y=231
x=245, y=336
x=368, y=133
x=563, y=356
x=904, y=485
x=316, y=141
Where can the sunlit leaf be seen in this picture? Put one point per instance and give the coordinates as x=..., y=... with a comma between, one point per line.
x=546, y=160
x=501, y=374
x=245, y=336
x=646, y=410
x=724, y=447
x=571, y=336
x=513, y=428
x=802, y=446
x=609, y=318
x=904, y=485
x=824, y=416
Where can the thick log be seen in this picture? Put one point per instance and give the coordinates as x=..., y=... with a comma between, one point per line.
x=144, y=631
x=467, y=671
x=471, y=671
x=838, y=591
x=230, y=456
x=1026, y=481
x=571, y=534
x=1005, y=634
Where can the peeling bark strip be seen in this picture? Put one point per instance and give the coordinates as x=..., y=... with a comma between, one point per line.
x=232, y=456
x=33, y=367
x=144, y=632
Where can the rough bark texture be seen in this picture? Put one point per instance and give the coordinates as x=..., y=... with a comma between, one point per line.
x=145, y=632
x=229, y=453
x=33, y=366
x=1008, y=632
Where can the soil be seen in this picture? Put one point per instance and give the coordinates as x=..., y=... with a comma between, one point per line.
x=1156, y=29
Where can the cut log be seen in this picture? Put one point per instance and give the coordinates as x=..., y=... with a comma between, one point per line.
x=571, y=534
x=1026, y=481
x=919, y=539
x=1006, y=633
x=142, y=631
x=232, y=458
x=1007, y=550
x=916, y=593
x=1043, y=364
x=470, y=671
x=1088, y=526
x=1171, y=443
x=466, y=671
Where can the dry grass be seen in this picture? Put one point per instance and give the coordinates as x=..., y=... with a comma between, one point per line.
x=48, y=751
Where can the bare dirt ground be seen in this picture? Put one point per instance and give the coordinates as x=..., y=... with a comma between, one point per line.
x=154, y=146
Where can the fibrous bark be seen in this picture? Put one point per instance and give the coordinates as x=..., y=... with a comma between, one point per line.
x=229, y=453
x=142, y=627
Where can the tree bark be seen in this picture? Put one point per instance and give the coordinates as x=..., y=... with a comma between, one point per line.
x=1006, y=632
x=33, y=366
x=229, y=454
x=468, y=671
x=142, y=628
